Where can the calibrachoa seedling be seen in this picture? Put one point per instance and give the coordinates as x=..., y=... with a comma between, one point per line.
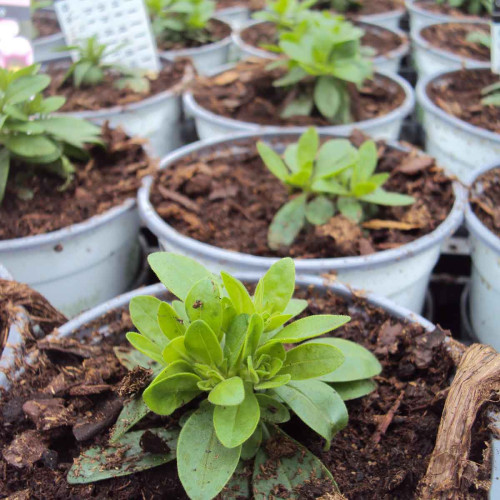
x=491, y=95
x=473, y=7
x=330, y=177
x=480, y=37
x=244, y=365
x=285, y=14
x=33, y=139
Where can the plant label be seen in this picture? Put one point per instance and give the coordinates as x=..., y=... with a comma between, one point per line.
x=15, y=9
x=123, y=25
x=495, y=38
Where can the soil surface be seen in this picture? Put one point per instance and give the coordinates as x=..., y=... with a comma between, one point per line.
x=432, y=6
x=68, y=401
x=106, y=181
x=453, y=38
x=459, y=94
x=367, y=7
x=252, y=4
x=106, y=95
x=485, y=200
x=379, y=39
x=45, y=24
x=216, y=30
x=246, y=93
x=228, y=198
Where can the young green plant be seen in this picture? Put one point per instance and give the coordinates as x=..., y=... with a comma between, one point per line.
x=285, y=14
x=31, y=139
x=333, y=176
x=491, y=95
x=239, y=365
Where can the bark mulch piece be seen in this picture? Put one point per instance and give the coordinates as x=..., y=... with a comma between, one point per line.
x=485, y=200
x=383, y=453
x=452, y=37
x=459, y=94
x=227, y=197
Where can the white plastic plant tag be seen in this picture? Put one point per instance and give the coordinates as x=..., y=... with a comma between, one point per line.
x=120, y=24
x=495, y=38
x=15, y=9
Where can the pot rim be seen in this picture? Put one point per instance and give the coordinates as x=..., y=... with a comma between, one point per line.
x=235, y=9
x=474, y=225
x=167, y=55
x=383, y=16
x=401, y=111
x=400, y=51
x=55, y=37
x=422, y=43
x=424, y=100
x=163, y=230
x=435, y=16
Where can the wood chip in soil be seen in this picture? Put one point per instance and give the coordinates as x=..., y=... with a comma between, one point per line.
x=383, y=452
x=246, y=93
x=236, y=198
x=485, y=200
x=459, y=94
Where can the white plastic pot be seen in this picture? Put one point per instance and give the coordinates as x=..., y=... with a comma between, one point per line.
x=420, y=17
x=204, y=58
x=458, y=146
x=82, y=265
x=387, y=63
x=210, y=125
x=484, y=295
x=389, y=20
x=45, y=48
x=234, y=16
x=430, y=59
x=401, y=274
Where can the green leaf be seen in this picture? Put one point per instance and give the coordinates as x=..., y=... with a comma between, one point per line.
x=32, y=147
x=79, y=71
x=307, y=147
x=359, y=362
x=168, y=394
x=367, y=160
x=4, y=171
x=354, y=390
x=175, y=351
x=169, y=321
x=202, y=345
x=235, y=424
x=272, y=349
x=251, y=446
x=295, y=75
x=238, y=294
x=277, y=381
x=287, y=223
x=312, y=360
x=272, y=410
x=317, y=405
x=335, y=156
x=25, y=87
x=327, y=96
x=133, y=411
x=144, y=345
x=253, y=335
x=363, y=188
x=229, y=392
x=272, y=161
x=100, y=462
x=310, y=327
x=72, y=130
x=381, y=197
x=238, y=486
x=204, y=464
x=177, y=272
x=289, y=472
x=350, y=208
x=144, y=314
x=203, y=302
x=235, y=338
x=174, y=368
x=51, y=104
x=131, y=358
x=329, y=186
x=320, y=210
x=300, y=106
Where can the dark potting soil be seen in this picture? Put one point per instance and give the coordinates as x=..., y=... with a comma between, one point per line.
x=446, y=9
x=379, y=39
x=459, y=94
x=106, y=95
x=45, y=24
x=228, y=198
x=367, y=7
x=252, y=4
x=68, y=401
x=485, y=200
x=216, y=30
x=246, y=93
x=111, y=176
x=452, y=37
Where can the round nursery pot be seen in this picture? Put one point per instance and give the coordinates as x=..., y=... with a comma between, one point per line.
x=484, y=295
x=435, y=58
x=458, y=145
x=207, y=57
x=211, y=125
x=390, y=19
x=235, y=16
x=408, y=389
x=45, y=47
x=156, y=118
x=387, y=62
x=421, y=17
x=401, y=274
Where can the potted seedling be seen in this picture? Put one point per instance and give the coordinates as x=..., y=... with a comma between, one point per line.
x=259, y=39
x=187, y=29
x=357, y=211
x=225, y=393
x=321, y=80
x=46, y=33
x=461, y=113
x=237, y=12
x=426, y=12
x=144, y=103
x=67, y=193
x=447, y=46
x=482, y=220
